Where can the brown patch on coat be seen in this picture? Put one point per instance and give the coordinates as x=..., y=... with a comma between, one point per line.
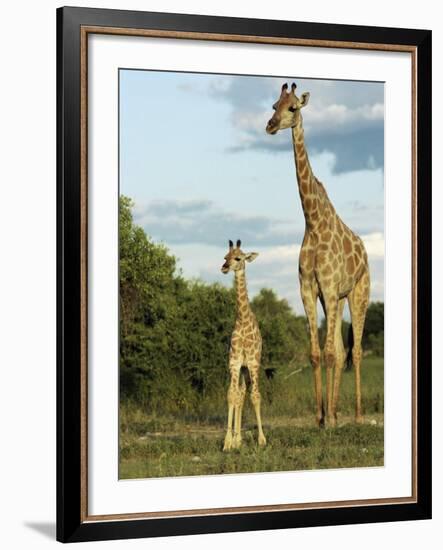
x=321, y=258
x=323, y=226
x=350, y=265
x=347, y=245
x=310, y=259
x=301, y=164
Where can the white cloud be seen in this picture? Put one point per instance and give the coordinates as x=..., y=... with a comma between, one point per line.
x=280, y=253
x=321, y=119
x=276, y=267
x=340, y=117
x=201, y=221
x=375, y=245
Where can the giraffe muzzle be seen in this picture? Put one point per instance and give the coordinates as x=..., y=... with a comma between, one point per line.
x=272, y=127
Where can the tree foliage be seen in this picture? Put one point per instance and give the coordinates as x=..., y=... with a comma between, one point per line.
x=146, y=273
x=373, y=334
x=175, y=333
x=284, y=335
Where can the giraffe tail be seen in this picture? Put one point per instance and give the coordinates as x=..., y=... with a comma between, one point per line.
x=350, y=345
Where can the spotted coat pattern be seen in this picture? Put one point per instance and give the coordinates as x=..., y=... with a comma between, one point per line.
x=245, y=352
x=333, y=267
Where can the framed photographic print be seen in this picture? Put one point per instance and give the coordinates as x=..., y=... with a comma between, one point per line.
x=238, y=201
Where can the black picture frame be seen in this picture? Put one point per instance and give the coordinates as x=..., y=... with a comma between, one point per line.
x=72, y=526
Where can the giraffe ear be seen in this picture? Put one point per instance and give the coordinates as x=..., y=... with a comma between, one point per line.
x=250, y=256
x=304, y=99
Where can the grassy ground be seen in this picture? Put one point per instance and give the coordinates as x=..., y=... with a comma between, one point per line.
x=164, y=446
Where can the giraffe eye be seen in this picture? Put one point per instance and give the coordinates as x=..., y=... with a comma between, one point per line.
x=237, y=259
x=291, y=109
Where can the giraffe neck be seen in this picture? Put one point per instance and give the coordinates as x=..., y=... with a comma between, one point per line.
x=241, y=291
x=307, y=183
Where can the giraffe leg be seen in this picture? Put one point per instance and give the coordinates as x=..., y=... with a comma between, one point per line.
x=309, y=297
x=232, y=398
x=240, y=399
x=331, y=307
x=339, y=358
x=358, y=304
x=256, y=400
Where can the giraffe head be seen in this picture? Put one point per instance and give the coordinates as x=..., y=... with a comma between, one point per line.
x=287, y=109
x=235, y=258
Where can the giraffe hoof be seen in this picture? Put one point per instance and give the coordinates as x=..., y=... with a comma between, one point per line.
x=331, y=422
x=261, y=440
x=236, y=444
x=321, y=422
x=359, y=419
x=228, y=443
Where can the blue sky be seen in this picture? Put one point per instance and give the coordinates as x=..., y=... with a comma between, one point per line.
x=196, y=160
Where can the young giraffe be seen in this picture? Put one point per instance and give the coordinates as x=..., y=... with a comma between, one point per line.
x=245, y=351
x=333, y=266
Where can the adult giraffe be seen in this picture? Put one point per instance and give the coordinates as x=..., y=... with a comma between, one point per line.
x=333, y=266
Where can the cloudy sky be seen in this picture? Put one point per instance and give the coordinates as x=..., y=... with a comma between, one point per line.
x=195, y=158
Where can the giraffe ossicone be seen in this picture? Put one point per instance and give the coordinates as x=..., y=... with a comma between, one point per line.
x=333, y=266
x=245, y=350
